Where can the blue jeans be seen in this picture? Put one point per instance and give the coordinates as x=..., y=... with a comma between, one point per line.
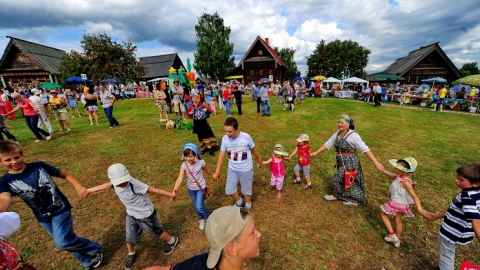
x=238, y=102
x=32, y=122
x=227, y=106
x=266, y=107
x=123, y=95
x=109, y=112
x=60, y=229
x=198, y=198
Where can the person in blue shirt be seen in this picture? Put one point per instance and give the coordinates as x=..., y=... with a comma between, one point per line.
x=256, y=92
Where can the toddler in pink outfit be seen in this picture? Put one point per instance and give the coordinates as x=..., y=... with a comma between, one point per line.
x=277, y=168
x=213, y=106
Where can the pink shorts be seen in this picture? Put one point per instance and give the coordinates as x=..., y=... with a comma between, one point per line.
x=277, y=182
x=392, y=208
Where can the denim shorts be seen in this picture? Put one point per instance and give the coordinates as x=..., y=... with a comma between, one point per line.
x=135, y=227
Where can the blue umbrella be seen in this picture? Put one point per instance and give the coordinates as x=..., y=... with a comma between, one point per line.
x=425, y=85
x=435, y=79
x=77, y=79
x=297, y=79
x=264, y=80
x=458, y=87
x=111, y=80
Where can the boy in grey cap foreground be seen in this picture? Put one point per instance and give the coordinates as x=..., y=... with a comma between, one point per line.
x=141, y=214
x=233, y=239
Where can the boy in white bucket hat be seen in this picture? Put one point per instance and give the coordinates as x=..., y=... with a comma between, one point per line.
x=141, y=214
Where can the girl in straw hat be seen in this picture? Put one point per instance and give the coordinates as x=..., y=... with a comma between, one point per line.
x=402, y=195
x=277, y=168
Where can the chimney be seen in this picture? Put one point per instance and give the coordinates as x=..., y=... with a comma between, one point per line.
x=266, y=40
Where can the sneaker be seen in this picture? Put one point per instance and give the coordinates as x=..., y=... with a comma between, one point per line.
x=392, y=239
x=349, y=203
x=170, y=247
x=60, y=129
x=38, y=141
x=201, y=224
x=49, y=138
x=129, y=261
x=68, y=129
x=95, y=262
x=242, y=205
x=111, y=126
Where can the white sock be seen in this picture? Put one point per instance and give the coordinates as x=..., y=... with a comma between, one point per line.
x=131, y=253
x=240, y=202
x=248, y=205
x=172, y=240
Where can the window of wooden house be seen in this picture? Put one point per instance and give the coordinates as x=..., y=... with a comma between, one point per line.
x=252, y=72
x=260, y=72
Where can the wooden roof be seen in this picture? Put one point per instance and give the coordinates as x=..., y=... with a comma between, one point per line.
x=271, y=51
x=404, y=64
x=159, y=65
x=47, y=57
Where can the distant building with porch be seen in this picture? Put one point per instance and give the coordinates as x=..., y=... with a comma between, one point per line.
x=26, y=64
x=260, y=61
x=426, y=62
x=159, y=65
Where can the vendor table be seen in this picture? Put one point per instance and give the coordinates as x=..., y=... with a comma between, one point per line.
x=344, y=94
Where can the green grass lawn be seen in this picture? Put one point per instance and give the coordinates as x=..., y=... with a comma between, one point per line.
x=299, y=231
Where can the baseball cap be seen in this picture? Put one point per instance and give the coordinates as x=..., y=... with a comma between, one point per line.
x=118, y=174
x=303, y=138
x=9, y=223
x=223, y=225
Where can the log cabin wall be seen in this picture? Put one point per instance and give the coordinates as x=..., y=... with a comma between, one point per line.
x=21, y=71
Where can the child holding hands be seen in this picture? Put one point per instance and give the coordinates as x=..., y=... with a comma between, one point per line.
x=192, y=168
x=277, y=168
x=402, y=195
x=141, y=214
x=303, y=151
x=461, y=222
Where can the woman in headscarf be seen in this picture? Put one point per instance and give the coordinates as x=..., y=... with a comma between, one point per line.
x=206, y=138
x=348, y=182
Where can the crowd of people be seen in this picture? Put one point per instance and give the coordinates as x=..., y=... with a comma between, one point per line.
x=230, y=230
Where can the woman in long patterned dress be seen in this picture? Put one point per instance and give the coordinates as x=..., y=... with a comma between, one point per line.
x=206, y=138
x=350, y=189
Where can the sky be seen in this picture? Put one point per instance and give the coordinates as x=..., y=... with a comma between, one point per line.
x=389, y=28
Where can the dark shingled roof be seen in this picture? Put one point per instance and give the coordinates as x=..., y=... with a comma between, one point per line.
x=403, y=65
x=47, y=57
x=158, y=65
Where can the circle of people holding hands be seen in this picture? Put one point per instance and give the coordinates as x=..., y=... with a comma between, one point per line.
x=230, y=230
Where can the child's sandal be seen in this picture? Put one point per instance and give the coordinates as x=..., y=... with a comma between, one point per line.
x=295, y=181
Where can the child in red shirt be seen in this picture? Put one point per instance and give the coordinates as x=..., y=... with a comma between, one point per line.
x=303, y=151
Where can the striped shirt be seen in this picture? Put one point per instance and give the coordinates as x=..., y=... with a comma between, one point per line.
x=457, y=226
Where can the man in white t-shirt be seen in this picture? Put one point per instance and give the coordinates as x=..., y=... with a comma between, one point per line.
x=238, y=147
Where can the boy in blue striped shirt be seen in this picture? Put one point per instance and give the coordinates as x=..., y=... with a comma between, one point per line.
x=461, y=222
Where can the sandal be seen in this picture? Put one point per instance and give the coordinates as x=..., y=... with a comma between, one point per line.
x=330, y=198
x=349, y=203
x=295, y=181
x=307, y=186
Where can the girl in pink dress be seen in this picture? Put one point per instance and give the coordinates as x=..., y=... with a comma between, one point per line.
x=277, y=168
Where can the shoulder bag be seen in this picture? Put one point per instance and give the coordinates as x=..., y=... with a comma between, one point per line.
x=206, y=191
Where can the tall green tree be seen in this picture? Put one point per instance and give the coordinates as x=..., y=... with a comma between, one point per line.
x=213, y=58
x=470, y=69
x=103, y=58
x=288, y=57
x=338, y=58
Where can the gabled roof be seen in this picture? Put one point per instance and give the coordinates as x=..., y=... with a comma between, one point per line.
x=270, y=50
x=158, y=65
x=47, y=57
x=404, y=64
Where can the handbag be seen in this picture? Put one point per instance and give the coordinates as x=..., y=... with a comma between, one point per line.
x=206, y=191
x=199, y=114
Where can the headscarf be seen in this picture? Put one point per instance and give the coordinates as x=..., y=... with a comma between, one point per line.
x=348, y=120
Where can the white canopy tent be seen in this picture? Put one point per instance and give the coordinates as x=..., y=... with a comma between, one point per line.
x=331, y=79
x=159, y=79
x=355, y=80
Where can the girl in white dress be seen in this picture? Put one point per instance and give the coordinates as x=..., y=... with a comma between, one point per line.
x=402, y=195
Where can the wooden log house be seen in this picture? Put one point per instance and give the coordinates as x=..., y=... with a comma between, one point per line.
x=27, y=64
x=260, y=61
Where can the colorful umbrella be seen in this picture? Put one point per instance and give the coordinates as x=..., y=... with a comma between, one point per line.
x=319, y=78
x=50, y=85
x=435, y=79
x=389, y=76
x=425, y=85
x=472, y=80
x=458, y=87
x=77, y=79
x=264, y=80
